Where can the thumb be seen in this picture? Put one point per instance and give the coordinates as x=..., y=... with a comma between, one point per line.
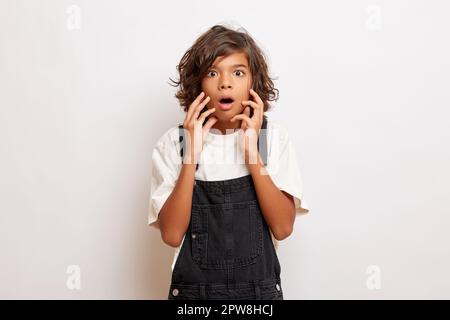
x=247, y=113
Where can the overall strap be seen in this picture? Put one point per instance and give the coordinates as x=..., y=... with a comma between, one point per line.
x=262, y=141
x=183, y=143
x=262, y=147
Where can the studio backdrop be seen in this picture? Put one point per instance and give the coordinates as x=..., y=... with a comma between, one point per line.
x=85, y=94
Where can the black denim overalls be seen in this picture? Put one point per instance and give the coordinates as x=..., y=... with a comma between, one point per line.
x=227, y=251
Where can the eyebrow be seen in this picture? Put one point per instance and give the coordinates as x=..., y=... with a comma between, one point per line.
x=233, y=66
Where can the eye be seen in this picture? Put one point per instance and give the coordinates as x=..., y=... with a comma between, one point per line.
x=240, y=71
x=208, y=73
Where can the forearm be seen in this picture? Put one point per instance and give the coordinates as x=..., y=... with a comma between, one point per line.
x=278, y=207
x=175, y=214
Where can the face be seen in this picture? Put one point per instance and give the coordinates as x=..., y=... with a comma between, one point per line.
x=228, y=77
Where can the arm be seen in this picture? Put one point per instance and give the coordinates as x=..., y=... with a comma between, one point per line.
x=277, y=206
x=175, y=214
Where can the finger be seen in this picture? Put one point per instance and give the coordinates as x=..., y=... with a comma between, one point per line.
x=259, y=102
x=249, y=133
x=251, y=104
x=247, y=113
x=243, y=117
x=257, y=108
x=209, y=124
x=199, y=108
x=205, y=114
x=256, y=96
x=195, y=105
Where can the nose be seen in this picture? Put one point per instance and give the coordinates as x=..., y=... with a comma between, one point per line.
x=225, y=83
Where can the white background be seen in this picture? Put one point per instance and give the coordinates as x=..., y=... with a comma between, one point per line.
x=84, y=95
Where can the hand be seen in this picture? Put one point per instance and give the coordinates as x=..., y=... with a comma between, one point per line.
x=194, y=131
x=251, y=127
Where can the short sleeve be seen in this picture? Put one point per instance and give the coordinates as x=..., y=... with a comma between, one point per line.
x=166, y=165
x=283, y=167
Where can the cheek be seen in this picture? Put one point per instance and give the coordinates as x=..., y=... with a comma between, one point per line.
x=250, y=82
x=203, y=85
x=244, y=90
x=206, y=82
x=246, y=95
x=249, y=86
x=208, y=87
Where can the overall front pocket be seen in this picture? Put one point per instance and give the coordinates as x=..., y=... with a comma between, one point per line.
x=226, y=235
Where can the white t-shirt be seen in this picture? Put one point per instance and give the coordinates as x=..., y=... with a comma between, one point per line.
x=222, y=159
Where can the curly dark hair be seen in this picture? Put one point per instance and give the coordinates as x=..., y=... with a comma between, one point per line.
x=222, y=41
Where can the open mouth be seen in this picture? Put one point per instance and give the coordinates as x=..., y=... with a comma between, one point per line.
x=226, y=100
x=226, y=103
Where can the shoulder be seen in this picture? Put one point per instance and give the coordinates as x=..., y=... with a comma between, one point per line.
x=169, y=136
x=276, y=131
x=167, y=146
